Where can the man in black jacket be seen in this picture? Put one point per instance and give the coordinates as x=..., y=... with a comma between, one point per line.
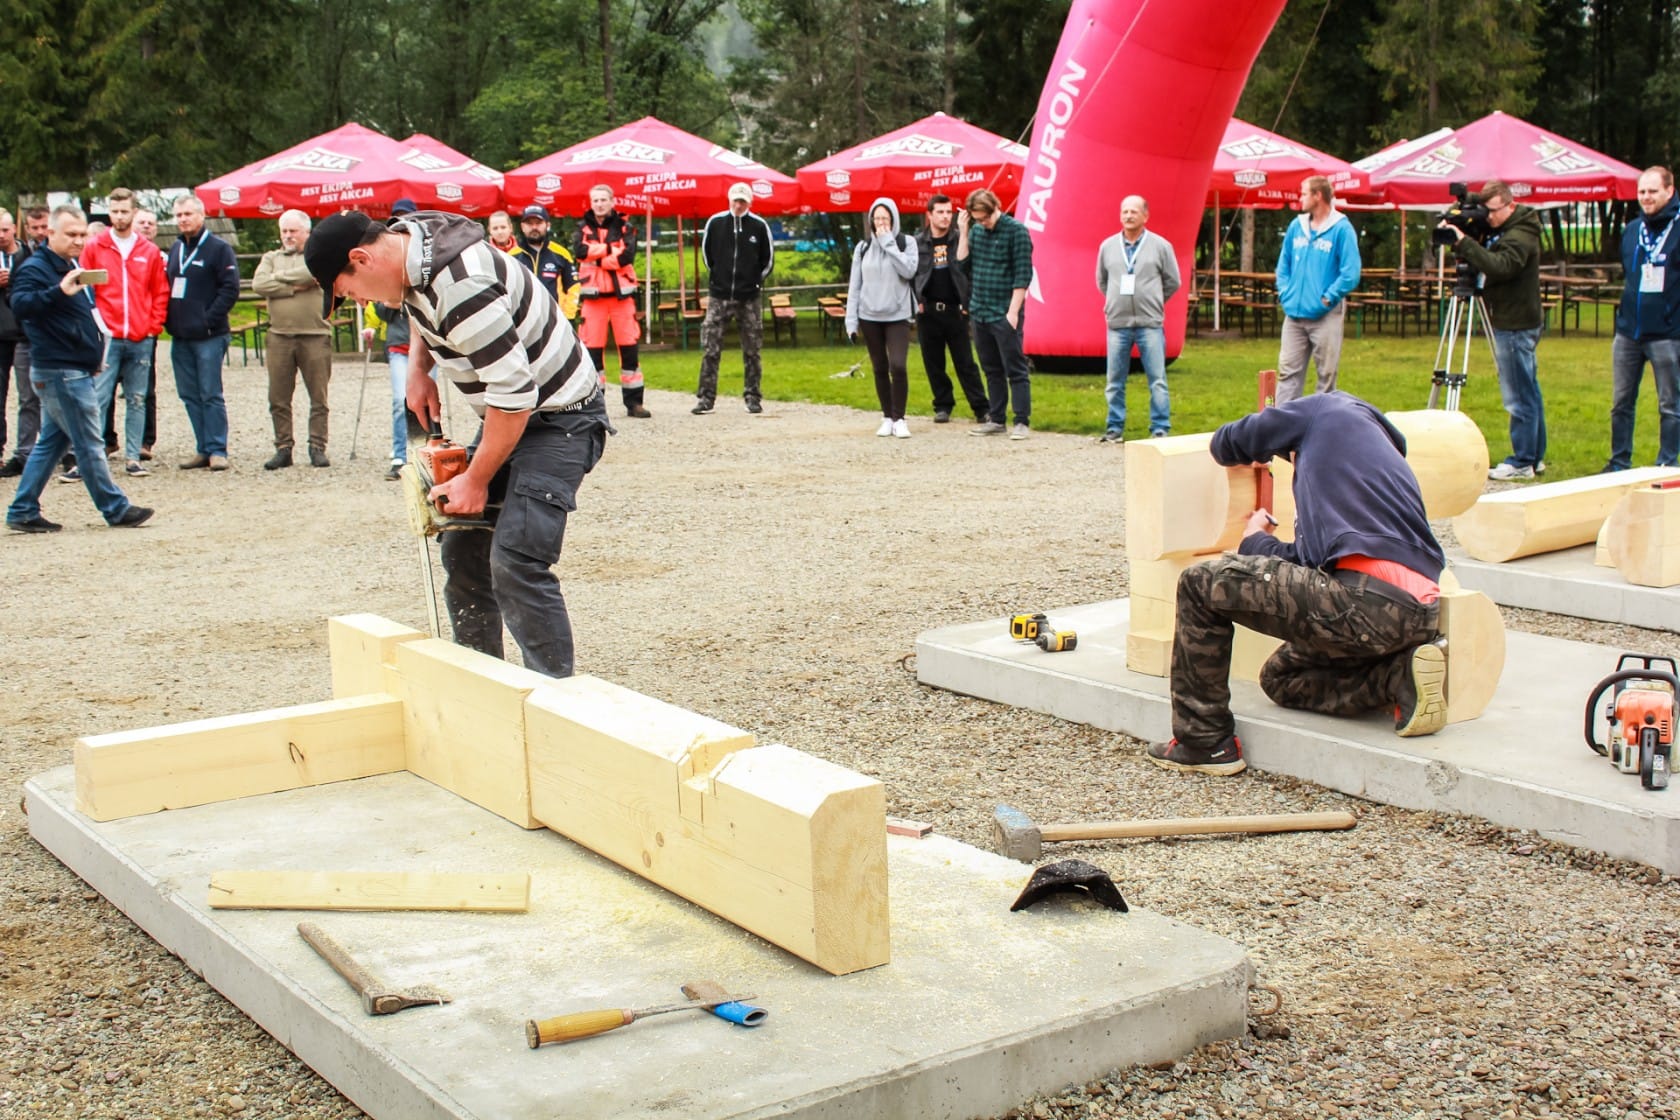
x=203, y=286
x=1354, y=596
x=942, y=313
x=739, y=257
x=14, y=355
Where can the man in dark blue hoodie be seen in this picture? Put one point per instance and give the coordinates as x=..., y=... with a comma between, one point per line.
x=203, y=286
x=67, y=348
x=1648, y=322
x=1354, y=597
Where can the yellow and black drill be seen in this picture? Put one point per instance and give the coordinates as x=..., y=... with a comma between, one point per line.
x=1036, y=628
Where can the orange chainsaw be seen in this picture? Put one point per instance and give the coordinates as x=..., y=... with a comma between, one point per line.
x=1644, y=704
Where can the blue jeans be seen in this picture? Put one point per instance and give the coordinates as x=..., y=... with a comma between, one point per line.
x=1151, y=343
x=69, y=422
x=399, y=405
x=130, y=364
x=1519, y=388
x=1627, y=368
x=198, y=382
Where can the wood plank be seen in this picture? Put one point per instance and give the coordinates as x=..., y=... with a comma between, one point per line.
x=1475, y=634
x=1528, y=520
x=464, y=724
x=363, y=652
x=370, y=890
x=1178, y=500
x=132, y=772
x=781, y=843
x=1149, y=652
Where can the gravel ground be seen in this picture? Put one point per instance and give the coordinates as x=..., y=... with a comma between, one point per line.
x=773, y=572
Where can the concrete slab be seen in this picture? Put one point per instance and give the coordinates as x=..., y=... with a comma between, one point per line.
x=1568, y=582
x=979, y=1009
x=1523, y=764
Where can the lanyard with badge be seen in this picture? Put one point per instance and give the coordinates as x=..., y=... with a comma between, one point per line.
x=1653, y=272
x=178, y=290
x=1128, y=279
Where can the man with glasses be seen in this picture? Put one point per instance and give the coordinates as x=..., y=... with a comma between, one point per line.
x=1509, y=285
x=1648, y=323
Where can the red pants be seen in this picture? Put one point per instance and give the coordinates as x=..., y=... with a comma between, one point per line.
x=621, y=313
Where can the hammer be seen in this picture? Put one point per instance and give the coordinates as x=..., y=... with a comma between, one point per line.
x=1017, y=837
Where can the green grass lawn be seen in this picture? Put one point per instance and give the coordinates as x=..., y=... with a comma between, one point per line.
x=1213, y=382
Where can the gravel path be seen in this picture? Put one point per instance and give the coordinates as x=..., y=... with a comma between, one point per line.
x=773, y=572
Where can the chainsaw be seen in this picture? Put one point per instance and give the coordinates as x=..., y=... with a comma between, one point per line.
x=1644, y=703
x=434, y=464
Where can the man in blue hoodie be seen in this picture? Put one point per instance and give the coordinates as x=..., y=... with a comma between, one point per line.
x=1354, y=596
x=203, y=286
x=1317, y=268
x=1648, y=322
x=67, y=348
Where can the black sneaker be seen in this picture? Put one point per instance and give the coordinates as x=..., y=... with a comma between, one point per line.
x=36, y=524
x=72, y=475
x=701, y=408
x=11, y=468
x=132, y=516
x=943, y=416
x=754, y=407
x=318, y=457
x=1221, y=761
x=280, y=460
x=1421, y=708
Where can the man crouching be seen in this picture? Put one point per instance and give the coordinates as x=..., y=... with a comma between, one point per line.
x=1354, y=598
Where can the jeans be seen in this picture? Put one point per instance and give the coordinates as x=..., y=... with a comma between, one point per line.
x=1627, y=368
x=14, y=363
x=198, y=382
x=1519, y=388
x=129, y=364
x=1151, y=343
x=399, y=405
x=942, y=327
x=69, y=422
x=999, y=347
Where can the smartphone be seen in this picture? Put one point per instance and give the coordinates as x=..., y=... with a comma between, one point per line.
x=93, y=276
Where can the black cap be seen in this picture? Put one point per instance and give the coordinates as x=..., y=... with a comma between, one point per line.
x=534, y=211
x=327, y=252
x=403, y=206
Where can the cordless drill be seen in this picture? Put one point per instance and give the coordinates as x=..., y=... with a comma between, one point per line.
x=1036, y=628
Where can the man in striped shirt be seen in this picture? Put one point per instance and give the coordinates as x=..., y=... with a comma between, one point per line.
x=485, y=322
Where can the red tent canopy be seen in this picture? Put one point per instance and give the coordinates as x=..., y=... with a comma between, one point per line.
x=650, y=165
x=439, y=158
x=1539, y=166
x=350, y=167
x=935, y=155
x=1260, y=169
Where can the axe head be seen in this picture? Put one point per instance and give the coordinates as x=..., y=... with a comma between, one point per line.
x=1015, y=835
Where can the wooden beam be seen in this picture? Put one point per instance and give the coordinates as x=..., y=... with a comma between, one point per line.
x=464, y=723
x=1448, y=456
x=1528, y=520
x=363, y=649
x=1475, y=634
x=779, y=842
x=132, y=772
x=1179, y=501
x=369, y=890
x=1643, y=537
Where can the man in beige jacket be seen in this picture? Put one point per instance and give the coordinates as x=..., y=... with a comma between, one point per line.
x=299, y=341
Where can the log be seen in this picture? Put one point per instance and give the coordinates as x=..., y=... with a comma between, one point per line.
x=1179, y=501
x=1448, y=455
x=369, y=890
x=1533, y=519
x=1642, y=536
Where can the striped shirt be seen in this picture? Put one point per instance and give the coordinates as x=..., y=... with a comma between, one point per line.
x=492, y=327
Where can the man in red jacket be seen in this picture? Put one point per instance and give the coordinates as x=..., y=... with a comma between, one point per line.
x=131, y=305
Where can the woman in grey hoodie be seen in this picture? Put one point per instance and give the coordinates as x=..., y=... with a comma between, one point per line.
x=880, y=307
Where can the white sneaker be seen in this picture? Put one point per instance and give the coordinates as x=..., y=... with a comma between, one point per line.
x=900, y=429
x=1019, y=431
x=1506, y=472
x=886, y=428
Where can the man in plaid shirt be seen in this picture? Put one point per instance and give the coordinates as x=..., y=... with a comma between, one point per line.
x=998, y=256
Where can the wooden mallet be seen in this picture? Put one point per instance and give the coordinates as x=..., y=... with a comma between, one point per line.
x=1017, y=837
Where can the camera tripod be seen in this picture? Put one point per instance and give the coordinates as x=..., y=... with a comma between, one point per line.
x=1463, y=310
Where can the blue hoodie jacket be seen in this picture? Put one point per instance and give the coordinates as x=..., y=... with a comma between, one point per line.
x=1355, y=495
x=61, y=329
x=1648, y=315
x=1316, y=270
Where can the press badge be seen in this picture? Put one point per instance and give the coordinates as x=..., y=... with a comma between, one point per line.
x=1651, y=278
x=178, y=290
x=1128, y=284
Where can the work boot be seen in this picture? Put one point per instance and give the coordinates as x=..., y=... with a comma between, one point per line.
x=701, y=407
x=633, y=403
x=1421, y=708
x=196, y=463
x=281, y=459
x=1220, y=761
x=318, y=457
x=11, y=468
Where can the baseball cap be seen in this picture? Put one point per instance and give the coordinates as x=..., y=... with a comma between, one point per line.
x=403, y=206
x=327, y=252
x=534, y=211
x=740, y=191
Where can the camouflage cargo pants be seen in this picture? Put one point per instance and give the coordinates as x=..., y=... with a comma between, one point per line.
x=748, y=314
x=1347, y=640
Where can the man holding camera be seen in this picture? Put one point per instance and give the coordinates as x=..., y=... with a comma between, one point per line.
x=1648, y=323
x=1508, y=259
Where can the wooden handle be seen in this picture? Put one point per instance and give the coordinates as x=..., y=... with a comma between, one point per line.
x=582, y=1024
x=1199, y=826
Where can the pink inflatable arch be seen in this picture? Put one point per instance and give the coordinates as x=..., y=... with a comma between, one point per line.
x=1135, y=103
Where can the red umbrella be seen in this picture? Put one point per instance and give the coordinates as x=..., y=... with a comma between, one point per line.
x=350, y=167
x=650, y=166
x=1539, y=166
x=436, y=157
x=935, y=155
x=1261, y=169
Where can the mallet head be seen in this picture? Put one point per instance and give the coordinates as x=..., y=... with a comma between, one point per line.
x=1015, y=835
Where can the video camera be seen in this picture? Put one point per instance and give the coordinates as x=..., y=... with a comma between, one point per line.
x=1465, y=214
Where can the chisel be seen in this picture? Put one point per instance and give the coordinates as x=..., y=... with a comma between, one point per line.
x=582, y=1024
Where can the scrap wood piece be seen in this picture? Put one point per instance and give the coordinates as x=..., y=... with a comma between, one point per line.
x=898, y=826
x=369, y=890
